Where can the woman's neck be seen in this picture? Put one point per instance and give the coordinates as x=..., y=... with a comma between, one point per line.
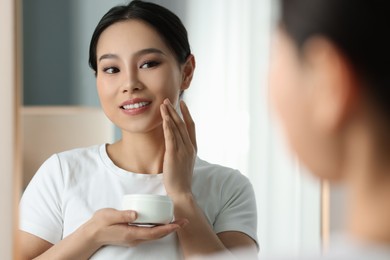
x=369, y=211
x=139, y=152
x=367, y=172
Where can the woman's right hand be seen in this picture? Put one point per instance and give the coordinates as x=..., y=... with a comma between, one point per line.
x=111, y=227
x=106, y=227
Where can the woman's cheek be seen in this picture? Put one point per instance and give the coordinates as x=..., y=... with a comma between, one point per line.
x=284, y=101
x=172, y=92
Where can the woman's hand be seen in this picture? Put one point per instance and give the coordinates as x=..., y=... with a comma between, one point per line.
x=180, y=149
x=111, y=227
x=106, y=227
x=198, y=237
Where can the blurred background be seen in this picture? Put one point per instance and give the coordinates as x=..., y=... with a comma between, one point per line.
x=228, y=99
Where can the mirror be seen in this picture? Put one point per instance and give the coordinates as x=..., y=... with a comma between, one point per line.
x=228, y=98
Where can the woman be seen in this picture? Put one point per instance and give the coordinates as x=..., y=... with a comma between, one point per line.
x=331, y=90
x=70, y=210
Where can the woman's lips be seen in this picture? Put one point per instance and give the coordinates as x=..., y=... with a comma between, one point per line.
x=135, y=106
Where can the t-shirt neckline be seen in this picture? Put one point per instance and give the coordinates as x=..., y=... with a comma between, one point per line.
x=121, y=172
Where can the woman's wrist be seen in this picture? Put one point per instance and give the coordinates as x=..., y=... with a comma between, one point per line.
x=181, y=198
x=197, y=237
x=185, y=206
x=90, y=235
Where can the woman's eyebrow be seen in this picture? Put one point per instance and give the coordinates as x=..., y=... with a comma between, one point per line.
x=148, y=51
x=108, y=56
x=138, y=53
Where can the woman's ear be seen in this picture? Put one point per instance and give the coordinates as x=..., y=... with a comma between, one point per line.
x=333, y=83
x=188, y=72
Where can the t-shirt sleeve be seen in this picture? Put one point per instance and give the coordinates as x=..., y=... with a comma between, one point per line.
x=238, y=212
x=40, y=205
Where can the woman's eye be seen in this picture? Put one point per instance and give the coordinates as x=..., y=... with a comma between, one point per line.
x=111, y=70
x=149, y=64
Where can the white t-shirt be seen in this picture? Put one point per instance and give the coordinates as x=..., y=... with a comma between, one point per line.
x=342, y=247
x=70, y=186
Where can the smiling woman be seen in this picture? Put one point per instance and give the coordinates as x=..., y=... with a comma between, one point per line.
x=71, y=208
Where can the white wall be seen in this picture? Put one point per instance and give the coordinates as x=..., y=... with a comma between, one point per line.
x=7, y=129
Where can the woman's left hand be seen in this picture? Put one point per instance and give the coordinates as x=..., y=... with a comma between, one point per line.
x=180, y=149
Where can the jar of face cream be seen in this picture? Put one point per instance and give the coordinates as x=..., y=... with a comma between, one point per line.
x=151, y=209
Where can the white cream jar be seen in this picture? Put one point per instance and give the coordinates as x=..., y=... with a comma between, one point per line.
x=151, y=209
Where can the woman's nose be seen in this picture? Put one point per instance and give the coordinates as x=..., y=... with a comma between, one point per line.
x=132, y=84
x=133, y=87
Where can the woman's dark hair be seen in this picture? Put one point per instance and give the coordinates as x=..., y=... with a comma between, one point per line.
x=357, y=28
x=166, y=23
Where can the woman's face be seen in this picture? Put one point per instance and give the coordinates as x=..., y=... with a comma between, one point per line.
x=294, y=95
x=136, y=71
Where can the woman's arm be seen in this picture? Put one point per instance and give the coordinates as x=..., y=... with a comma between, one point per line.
x=234, y=240
x=106, y=227
x=75, y=246
x=197, y=237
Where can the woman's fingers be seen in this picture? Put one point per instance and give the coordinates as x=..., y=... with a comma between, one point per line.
x=178, y=122
x=112, y=216
x=169, y=135
x=180, y=153
x=182, y=222
x=189, y=123
x=152, y=233
x=115, y=229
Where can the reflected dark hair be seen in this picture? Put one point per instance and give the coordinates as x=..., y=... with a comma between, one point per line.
x=166, y=23
x=354, y=27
